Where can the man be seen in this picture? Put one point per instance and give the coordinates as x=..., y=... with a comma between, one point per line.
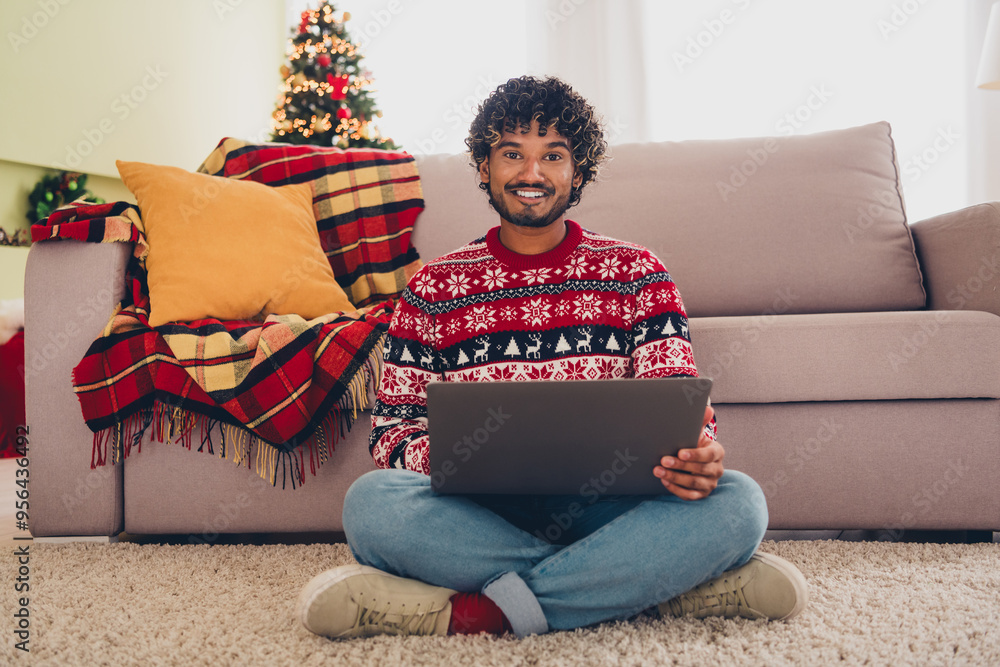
x=505, y=307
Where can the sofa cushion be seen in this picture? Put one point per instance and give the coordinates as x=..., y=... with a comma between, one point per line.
x=456, y=210
x=365, y=201
x=849, y=356
x=737, y=222
x=230, y=250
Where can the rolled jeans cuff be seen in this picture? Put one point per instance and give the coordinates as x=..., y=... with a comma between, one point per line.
x=509, y=592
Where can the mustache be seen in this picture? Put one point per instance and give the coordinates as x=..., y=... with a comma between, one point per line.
x=534, y=186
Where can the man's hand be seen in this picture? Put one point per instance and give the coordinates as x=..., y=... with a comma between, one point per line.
x=694, y=473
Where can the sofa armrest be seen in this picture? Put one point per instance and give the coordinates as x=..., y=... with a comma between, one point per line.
x=959, y=254
x=70, y=290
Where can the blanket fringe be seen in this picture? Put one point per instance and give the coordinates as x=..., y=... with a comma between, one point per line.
x=169, y=423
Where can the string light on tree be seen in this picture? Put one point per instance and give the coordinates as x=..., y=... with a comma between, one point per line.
x=325, y=95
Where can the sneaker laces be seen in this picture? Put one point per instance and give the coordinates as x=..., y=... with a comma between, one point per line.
x=373, y=615
x=722, y=597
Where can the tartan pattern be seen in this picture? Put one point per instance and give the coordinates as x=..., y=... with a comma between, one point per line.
x=365, y=202
x=265, y=390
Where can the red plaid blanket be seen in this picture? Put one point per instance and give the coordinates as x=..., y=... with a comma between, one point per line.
x=295, y=386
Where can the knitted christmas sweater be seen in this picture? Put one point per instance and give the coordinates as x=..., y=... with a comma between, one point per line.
x=590, y=308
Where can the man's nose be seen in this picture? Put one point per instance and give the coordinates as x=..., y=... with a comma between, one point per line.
x=531, y=170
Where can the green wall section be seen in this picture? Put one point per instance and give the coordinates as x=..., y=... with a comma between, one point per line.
x=12, y=261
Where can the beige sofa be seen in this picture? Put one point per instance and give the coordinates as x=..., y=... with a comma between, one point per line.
x=856, y=359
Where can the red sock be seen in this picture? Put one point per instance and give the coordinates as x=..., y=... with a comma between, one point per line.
x=472, y=613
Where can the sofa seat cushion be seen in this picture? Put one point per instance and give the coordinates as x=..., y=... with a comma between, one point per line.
x=849, y=356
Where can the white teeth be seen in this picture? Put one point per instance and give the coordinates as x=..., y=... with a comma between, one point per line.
x=523, y=193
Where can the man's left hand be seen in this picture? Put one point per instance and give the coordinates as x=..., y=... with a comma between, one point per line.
x=693, y=473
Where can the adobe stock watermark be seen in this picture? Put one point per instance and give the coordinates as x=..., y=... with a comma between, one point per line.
x=562, y=13
x=722, y=361
x=796, y=119
x=460, y=114
x=614, y=130
x=883, y=201
x=35, y=23
x=712, y=30
x=900, y=15
x=591, y=490
x=54, y=342
x=470, y=443
x=803, y=453
x=85, y=487
x=364, y=34
x=927, y=498
x=918, y=164
x=121, y=108
x=223, y=7
x=228, y=512
x=291, y=279
x=205, y=194
x=911, y=170
x=911, y=345
x=960, y=295
x=789, y=123
x=985, y=273
x=740, y=174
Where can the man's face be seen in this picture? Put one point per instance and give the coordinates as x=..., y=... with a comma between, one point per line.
x=530, y=177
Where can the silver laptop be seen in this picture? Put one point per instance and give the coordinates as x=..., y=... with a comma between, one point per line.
x=586, y=437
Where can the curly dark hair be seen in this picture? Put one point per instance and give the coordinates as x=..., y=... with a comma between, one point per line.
x=554, y=104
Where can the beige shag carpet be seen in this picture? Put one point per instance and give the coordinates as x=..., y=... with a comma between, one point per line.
x=872, y=603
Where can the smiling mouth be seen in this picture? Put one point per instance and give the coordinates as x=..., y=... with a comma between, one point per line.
x=529, y=194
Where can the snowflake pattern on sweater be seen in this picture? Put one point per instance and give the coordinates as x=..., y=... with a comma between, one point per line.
x=591, y=308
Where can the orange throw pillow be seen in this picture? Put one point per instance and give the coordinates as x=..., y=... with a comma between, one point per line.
x=228, y=249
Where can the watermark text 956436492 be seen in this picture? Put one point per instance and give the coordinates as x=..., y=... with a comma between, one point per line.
x=22, y=552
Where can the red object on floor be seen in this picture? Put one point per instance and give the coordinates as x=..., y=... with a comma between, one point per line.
x=11, y=393
x=472, y=613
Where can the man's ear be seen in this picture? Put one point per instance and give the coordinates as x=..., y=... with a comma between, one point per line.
x=577, y=178
x=484, y=170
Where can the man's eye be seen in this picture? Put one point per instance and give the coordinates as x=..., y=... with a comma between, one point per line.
x=511, y=155
x=552, y=157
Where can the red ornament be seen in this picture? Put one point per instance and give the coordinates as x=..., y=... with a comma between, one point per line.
x=343, y=113
x=339, y=84
x=306, y=16
x=323, y=60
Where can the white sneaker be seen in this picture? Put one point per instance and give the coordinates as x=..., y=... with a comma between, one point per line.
x=766, y=587
x=361, y=601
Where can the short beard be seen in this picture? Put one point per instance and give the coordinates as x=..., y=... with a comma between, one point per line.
x=559, y=209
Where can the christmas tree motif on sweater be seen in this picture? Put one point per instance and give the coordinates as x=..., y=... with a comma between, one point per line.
x=668, y=329
x=612, y=345
x=562, y=345
x=406, y=356
x=512, y=349
x=463, y=358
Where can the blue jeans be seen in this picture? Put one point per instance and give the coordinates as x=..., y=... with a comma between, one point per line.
x=554, y=562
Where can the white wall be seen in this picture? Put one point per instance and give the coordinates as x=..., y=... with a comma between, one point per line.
x=983, y=112
x=216, y=61
x=86, y=83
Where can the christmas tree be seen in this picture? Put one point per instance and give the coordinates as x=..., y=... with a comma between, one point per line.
x=325, y=98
